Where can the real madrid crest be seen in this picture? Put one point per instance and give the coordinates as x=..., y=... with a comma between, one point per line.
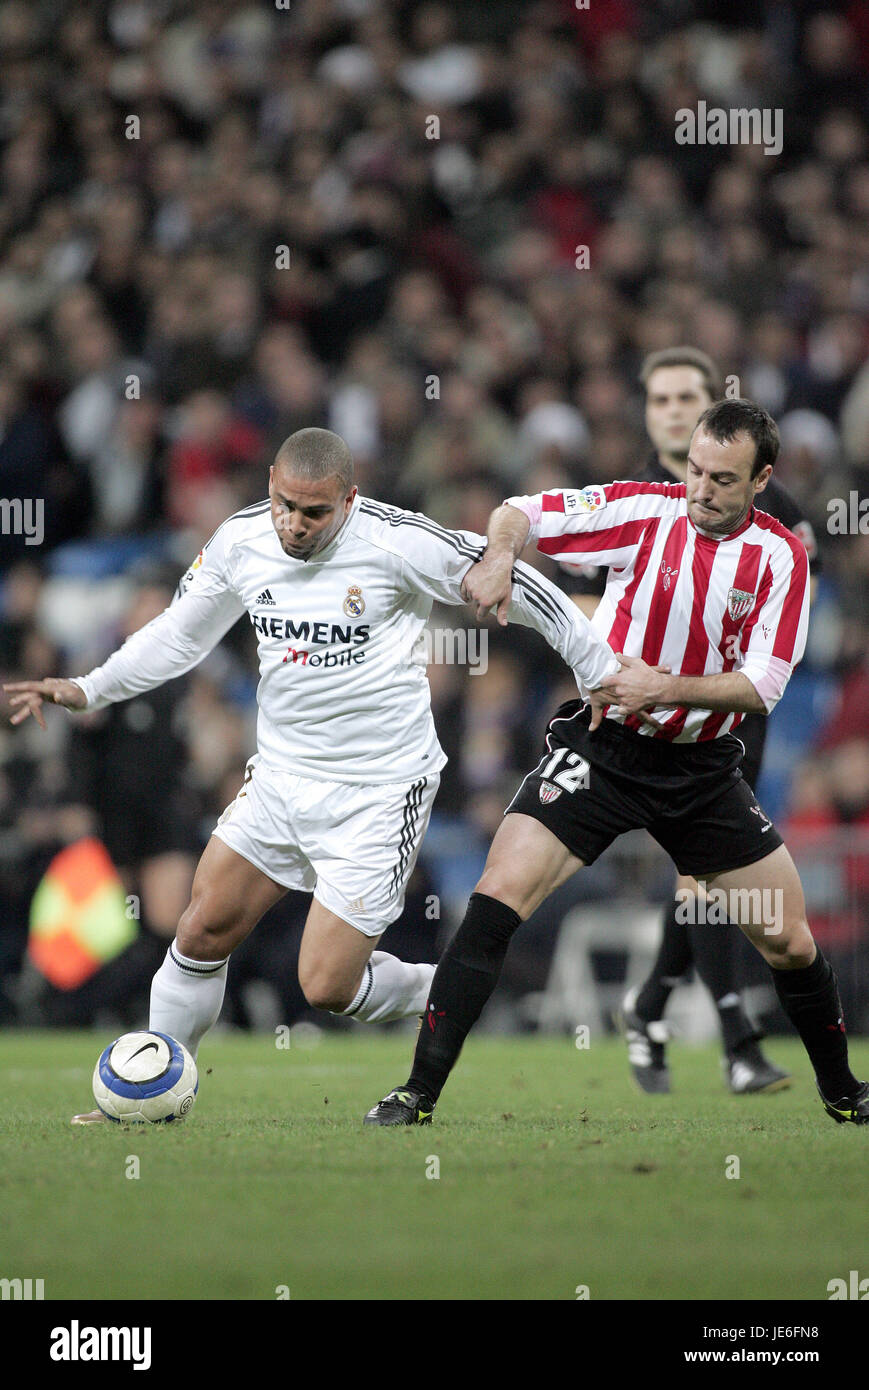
x=354, y=603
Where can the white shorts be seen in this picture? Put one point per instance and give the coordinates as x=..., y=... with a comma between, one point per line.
x=354, y=847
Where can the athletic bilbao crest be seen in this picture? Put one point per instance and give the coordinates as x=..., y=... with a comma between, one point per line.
x=738, y=603
x=354, y=603
x=549, y=792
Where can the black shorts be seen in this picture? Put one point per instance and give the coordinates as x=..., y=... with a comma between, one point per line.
x=752, y=735
x=691, y=797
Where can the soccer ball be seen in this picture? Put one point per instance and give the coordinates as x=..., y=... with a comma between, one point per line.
x=147, y=1077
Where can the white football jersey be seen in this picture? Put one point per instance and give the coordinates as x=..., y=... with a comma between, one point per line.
x=343, y=693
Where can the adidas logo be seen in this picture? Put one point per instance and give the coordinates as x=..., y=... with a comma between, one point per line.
x=265, y=599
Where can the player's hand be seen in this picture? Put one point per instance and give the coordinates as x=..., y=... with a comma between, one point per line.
x=28, y=697
x=634, y=689
x=601, y=699
x=490, y=582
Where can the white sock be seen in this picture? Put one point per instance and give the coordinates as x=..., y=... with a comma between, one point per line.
x=390, y=988
x=186, y=997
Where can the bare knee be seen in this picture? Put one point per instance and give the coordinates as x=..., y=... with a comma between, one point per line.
x=792, y=948
x=327, y=990
x=502, y=882
x=203, y=933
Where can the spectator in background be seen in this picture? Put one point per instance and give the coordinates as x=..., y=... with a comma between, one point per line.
x=35, y=470
x=214, y=453
x=128, y=767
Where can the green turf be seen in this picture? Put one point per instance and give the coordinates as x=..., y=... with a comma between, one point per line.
x=554, y=1173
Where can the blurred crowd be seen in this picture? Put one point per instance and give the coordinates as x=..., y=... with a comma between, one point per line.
x=450, y=233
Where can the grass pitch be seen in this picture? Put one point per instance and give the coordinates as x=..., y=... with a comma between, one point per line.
x=554, y=1173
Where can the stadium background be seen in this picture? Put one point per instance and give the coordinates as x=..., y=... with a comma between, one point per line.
x=283, y=237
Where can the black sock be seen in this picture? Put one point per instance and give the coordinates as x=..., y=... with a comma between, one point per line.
x=810, y=998
x=674, y=959
x=738, y=1033
x=716, y=956
x=464, y=980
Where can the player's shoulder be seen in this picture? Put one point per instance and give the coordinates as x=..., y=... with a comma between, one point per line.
x=667, y=491
x=215, y=554
x=403, y=533
x=656, y=496
x=244, y=526
x=249, y=522
x=778, y=502
x=779, y=536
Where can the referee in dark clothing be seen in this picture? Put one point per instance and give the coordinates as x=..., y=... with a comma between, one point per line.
x=680, y=383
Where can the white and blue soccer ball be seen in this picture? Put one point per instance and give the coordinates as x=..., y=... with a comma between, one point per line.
x=146, y=1077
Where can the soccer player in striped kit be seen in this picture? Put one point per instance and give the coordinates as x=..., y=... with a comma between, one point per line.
x=337, y=798
x=703, y=583
x=680, y=383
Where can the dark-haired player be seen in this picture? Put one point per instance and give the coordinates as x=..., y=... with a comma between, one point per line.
x=680, y=383
x=703, y=583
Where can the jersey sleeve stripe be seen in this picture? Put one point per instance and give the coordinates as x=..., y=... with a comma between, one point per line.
x=254, y=509
x=620, y=537
x=614, y=491
x=792, y=608
x=552, y=502
x=395, y=517
x=542, y=600
x=542, y=606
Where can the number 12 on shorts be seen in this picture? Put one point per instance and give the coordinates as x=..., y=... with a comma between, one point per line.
x=574, y=776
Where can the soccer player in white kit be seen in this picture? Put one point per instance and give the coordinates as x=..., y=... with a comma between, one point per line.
x=337, y=798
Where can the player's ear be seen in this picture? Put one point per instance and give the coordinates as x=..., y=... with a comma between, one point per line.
x=762, y=478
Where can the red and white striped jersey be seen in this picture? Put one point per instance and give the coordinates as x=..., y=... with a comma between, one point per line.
x=680, y=598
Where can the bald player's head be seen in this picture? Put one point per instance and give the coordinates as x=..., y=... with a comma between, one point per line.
x=316, y=455
x=311, y=491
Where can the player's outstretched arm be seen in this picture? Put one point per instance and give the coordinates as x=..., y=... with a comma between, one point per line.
x=28, y=697
x=176, y=640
